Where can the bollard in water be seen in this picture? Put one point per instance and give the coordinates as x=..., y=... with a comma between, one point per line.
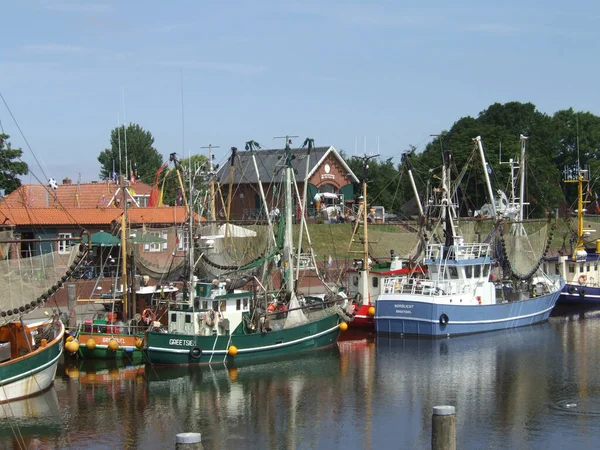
x=443, y=428
x=188, y=441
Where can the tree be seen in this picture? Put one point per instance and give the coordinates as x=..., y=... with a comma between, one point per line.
x=141, y=155
x=199, y=169
x=10, y=169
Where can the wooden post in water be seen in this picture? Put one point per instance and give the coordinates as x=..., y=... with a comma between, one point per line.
x=72, y=301
x=443, y=428
x=188, y=441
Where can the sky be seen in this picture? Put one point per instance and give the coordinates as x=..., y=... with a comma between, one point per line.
x=363, y=76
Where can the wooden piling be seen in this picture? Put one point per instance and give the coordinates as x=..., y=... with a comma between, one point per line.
x=188, y=441
x=72, y=302
x=443, y=428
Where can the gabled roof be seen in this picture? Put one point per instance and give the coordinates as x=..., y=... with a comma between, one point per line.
x=90, y=216
x=270, y=163
x=81, y=196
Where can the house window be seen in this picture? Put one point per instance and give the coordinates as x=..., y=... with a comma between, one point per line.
x=158, y=246
x=64, y=246
x=142, y=200
x=183, y=240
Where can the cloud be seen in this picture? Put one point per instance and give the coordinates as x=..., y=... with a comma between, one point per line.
x=353, y=14
x=80, y=7
x=231, y=67
x=55, y=49
x=494, y=28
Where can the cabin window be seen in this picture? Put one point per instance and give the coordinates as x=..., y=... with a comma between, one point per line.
x=595, y=266
x=486, y=271
x=468, y=271
x=204, y=304
x=453, y=272
x=64, y=246
x=238, y=304
x=580, y=268
x=245, y=303
x=477, y=271
x=174, y=317
x=215, y=305
x=188, y=318
x=355, y=280
x=223, y=306
x=557, y=269
x=374, y=281
x=587, y=269
x=571, y=268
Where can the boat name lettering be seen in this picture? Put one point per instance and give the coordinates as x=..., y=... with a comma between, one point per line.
x=181, y=342
x=404, y=306
x=106, y=340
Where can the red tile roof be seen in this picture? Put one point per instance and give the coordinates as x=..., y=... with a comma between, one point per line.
x=90, y=216
x=81, y=196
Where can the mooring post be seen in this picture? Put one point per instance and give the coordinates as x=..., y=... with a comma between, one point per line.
x=443, y=428
x=72, y=301
x=188, y=441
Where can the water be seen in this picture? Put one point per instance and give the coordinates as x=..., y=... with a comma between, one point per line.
x=529, y=388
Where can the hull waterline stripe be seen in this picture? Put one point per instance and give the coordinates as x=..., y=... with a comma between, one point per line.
x=33, y=371
x=245, y=350
x=469, y=322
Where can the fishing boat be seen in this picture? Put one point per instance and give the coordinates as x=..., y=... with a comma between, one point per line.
x=117, y=333
x=30, y=348
x=218, y=322
x=368, y=280
x=580, y=267
x=466, y=289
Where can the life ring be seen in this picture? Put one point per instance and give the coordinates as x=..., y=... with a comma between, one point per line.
x=195, y=352
x=582, y=279
x=444, y=319
x=209, y=318
x=148, y=316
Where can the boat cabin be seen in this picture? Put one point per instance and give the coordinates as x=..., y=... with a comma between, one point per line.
x=213, y=311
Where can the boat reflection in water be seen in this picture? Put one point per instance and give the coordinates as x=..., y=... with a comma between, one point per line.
x=506, y=385
x=32, y=422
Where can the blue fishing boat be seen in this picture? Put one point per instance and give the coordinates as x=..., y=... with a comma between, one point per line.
x=579, y=267
x=465, y=288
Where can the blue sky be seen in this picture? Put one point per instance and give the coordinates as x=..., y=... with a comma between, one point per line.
x=338, y=72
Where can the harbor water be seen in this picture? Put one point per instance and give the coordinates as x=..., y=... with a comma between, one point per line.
x=527, y=388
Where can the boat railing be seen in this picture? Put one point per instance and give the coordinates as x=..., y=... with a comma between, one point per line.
x=458, y=251
x=395, y=285
x=114, y=328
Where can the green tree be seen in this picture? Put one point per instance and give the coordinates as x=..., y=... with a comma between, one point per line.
x=141, y=154
x=199, y=170
x=10, y=169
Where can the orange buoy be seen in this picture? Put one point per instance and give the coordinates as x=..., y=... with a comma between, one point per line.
x=138, y=343
x=343, y=326
x=113, y=345
x=90, y=344
x=371, y=311
x=232, y=350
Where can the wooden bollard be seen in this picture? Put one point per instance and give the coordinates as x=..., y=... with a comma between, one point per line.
x=188, y=441
x=443, y=428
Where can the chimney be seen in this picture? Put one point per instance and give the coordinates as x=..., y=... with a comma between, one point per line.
x=67, y=180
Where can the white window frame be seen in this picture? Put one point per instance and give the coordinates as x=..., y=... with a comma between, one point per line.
x=157, y=247
x=64, y=246
x=184, y=239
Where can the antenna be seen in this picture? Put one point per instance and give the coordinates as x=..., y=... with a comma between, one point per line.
x=124, y=129
x=182, y=121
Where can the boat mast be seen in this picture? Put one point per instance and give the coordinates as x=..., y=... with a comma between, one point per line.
x=488, y=184
x=124, y=253
x=366, y=265
x=412, y=182
x=211, y=185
